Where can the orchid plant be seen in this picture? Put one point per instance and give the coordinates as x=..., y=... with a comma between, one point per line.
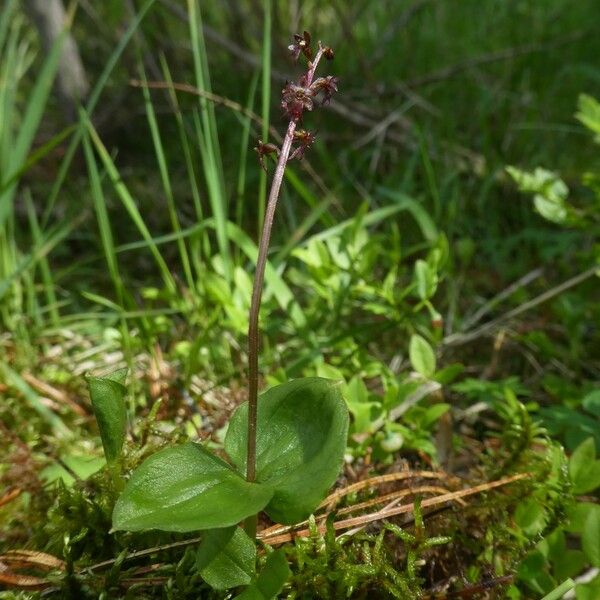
x=285, y=448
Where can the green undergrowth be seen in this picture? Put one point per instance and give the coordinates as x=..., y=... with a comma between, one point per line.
x=398, y=558
x=129, y=242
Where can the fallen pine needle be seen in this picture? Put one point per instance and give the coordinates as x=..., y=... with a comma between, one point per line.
x=277, y=539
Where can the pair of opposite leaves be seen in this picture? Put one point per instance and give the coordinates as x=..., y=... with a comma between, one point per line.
x=301, y=437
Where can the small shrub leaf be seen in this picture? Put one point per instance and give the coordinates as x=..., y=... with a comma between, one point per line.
x=426, y=279
x=422, y=357
x=549, y=190
x=186, y=488
x=301, y=438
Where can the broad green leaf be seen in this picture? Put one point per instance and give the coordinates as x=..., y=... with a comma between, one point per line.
x=107, y=395
x=301, y=437
x=271, y=579
x=569, y=564
x=590, y=539
x=422, y=357
x=531, y=566
x=584, y=469
x=226, y=558
x=449, y=373
x=433, y=413
x=186, y=488
x=590, y=481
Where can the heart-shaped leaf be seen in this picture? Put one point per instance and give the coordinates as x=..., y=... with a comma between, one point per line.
x=186, y=488
x=107, y=395
x=226, y=558
x=301, y=437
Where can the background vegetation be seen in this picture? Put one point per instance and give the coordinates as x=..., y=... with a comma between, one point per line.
x=458, y=300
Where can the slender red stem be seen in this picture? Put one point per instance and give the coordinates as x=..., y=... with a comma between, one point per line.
x=253, y=331
x=259, y=276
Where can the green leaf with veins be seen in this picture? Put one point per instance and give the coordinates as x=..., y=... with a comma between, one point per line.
x=187, y=488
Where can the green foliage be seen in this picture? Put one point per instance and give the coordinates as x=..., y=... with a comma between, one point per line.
x=186, y=488
x=589, y=114
x=590, y=539
x=550, y=192
x=553, y=559
x=226, y=558
x=107, y=395
x=584, y=469
x=576, y=422
x=301, y=437
x=421, y=355
x=270, y=580
x=359, y=301
x=76, y=521
x=361, y=565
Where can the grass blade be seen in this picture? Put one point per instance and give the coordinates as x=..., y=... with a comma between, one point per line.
x=206, y=130
x=266, y=106
x=91, y=105
x=130, y=206
x=166, y=182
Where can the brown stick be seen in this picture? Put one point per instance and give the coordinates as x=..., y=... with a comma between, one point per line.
x=275, y=540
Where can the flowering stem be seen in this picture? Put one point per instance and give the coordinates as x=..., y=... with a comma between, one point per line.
x=259, y=276
x=285, y=154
